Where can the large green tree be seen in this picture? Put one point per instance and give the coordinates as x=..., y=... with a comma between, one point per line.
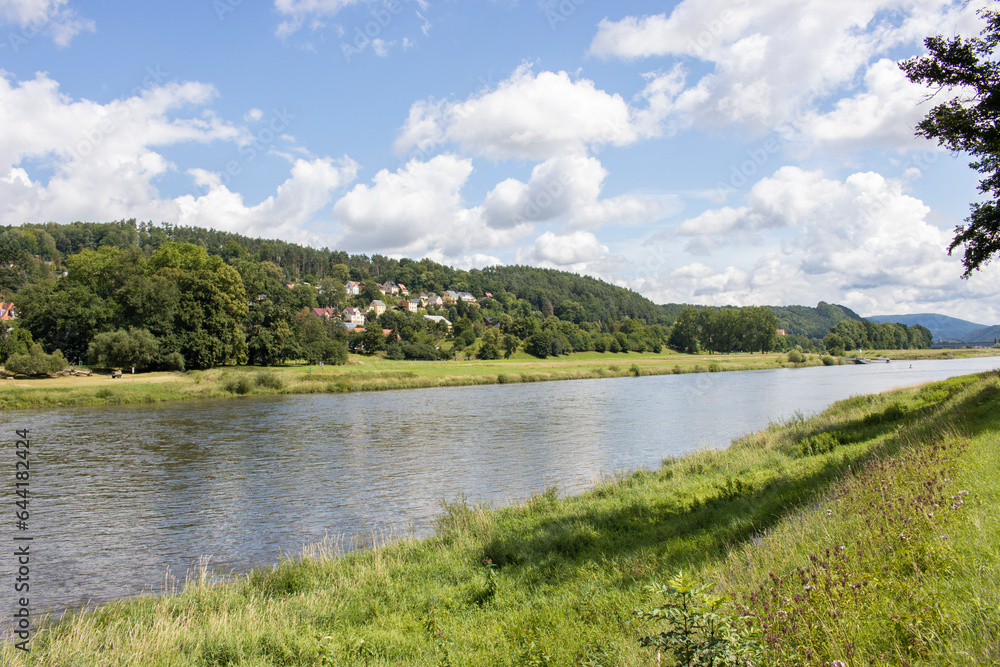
x=968, y=123
x=211, y=308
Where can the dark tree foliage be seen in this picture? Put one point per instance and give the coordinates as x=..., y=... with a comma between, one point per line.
x=967, y=123
x=866, y=335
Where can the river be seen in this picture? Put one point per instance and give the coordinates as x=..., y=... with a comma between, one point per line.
x=123, y=496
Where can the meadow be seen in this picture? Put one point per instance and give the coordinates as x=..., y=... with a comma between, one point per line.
x=363, y=373
x=866, y=535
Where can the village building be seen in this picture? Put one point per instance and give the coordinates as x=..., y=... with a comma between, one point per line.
x=354, y=316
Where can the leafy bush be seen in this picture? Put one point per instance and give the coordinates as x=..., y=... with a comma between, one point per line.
x=821, y=443
x=238, y=384
x=36, y=362
x=173, y=362
x=795, y=357
x=268, y=380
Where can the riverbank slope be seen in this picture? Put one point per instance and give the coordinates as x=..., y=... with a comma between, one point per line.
x=375, y=374
x=866, y=534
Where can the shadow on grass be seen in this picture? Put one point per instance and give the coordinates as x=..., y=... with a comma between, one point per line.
x=668, y=530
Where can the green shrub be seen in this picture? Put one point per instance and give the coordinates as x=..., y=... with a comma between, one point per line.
x=795, y=357
x=36, y=362
x=268, y=380
x=173, y=362
x=238, y=384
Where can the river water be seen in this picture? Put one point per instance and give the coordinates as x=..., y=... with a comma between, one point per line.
x=123, y=496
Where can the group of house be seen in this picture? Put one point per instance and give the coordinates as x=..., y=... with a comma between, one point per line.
x=353, y=318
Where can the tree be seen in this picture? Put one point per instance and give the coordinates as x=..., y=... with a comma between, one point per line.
x=539, y=344
x=968, y=123
x=510, y=345
x=373, y=339
x=211, y=308
x=684, y=335
x=133, y=348
x=490, y=348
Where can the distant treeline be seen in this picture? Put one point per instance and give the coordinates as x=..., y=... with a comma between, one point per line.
x=160, y=296
x=866, y=335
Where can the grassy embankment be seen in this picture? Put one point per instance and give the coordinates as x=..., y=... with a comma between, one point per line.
x=375, y=373
x=868, y=534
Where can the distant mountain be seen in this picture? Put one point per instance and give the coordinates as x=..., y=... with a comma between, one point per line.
x=984, y=335
x=941, y=326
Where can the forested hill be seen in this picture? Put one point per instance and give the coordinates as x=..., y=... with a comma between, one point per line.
x=812, y=322
x=29, y=252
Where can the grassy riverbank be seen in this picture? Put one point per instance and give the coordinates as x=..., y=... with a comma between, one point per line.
x=867, y=534
x=374, y=373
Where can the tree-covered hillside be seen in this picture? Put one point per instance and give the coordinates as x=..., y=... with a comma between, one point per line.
x=136, y=294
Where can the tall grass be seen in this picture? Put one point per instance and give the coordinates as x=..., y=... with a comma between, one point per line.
x=864, y=503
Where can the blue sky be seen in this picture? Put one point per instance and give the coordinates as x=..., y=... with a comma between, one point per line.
x=704, y=151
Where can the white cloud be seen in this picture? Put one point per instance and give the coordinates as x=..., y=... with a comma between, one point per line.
x=416, y=210
x=527, y=116
x=885, y=113
x=50, y=17
x=104, y=162
x=565, y=189
x=300, y=11
x=572, y=251
x=382, y=47
x=285, y=214
x=862, y=241
x=755, y=83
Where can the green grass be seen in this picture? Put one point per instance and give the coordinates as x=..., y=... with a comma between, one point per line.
x=378, y=374
x=818, y=502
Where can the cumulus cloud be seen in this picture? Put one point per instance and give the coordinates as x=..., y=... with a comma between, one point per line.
x=50, y=17
x=863, y=241
x=528, y=116
x=104, y=161
x=400, y=209
x=565, y=189
x=884, y=113
x=756, y=84
x=286, y=214
x=573, y=248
